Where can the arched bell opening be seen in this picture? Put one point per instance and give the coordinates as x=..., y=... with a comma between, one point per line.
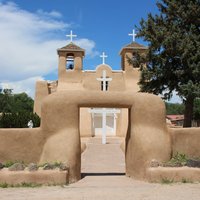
x=70, y=61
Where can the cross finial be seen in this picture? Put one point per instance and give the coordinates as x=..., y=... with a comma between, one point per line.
x=103, y=56
x=133, y=35
x=71, y=36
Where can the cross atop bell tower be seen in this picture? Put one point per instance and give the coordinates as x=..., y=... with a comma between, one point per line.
x=133, y=35
x=71, y=36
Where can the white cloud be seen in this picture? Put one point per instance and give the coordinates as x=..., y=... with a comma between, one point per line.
x=28, y=44
x=53, y=13
x=89, y=45
x=27, y=85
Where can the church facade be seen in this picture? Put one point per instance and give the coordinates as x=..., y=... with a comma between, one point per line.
x=71, y=76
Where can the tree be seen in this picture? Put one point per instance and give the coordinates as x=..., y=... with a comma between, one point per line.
x=15, y=102
x=197, y=111
x=6, y=100
x=18, y=120
x=173, y=57
x=174, y=108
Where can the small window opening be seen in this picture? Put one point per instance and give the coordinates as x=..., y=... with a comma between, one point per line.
x=102, y=83
x=135, y=60
x=70, y=62
x=134, y=57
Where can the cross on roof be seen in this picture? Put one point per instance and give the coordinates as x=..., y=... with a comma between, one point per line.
x=71, y=36
x=104, y=79
x=133, y=35
x=103, y=56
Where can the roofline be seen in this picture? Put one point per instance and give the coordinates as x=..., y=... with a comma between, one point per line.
x=134, y=48
x=71, y=50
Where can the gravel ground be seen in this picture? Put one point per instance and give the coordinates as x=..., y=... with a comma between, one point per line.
x=106, y=188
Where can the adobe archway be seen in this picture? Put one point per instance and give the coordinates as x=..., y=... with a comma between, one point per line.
x=147, y=136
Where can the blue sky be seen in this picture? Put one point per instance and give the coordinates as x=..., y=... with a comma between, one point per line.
x=106, y=22
x=32, y=30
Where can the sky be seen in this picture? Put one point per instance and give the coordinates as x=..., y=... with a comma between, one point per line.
x=33, y=30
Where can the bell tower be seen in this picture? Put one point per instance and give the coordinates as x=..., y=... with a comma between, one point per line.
x=70, y=59
x=130, y=51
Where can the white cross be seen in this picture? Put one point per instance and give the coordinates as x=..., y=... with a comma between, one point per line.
x=71, y=36
x=104, y=79
x=104, y=111
x=133, y=35
x=103, y=56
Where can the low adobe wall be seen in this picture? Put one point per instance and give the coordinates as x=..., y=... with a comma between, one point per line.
x=174, y=174
x=186, y=141
x=39, y=177
x=17, y=144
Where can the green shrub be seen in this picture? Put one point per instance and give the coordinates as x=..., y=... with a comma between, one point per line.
x=24, y=184
x=177, y=160
x=8, y=163
x=19, y=120
x=167, y=181
x=4, y=185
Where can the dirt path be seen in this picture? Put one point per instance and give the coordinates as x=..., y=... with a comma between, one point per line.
x=103, y=168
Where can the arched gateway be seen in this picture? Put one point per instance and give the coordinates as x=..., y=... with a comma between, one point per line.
x=59, y=104
x=147, y=137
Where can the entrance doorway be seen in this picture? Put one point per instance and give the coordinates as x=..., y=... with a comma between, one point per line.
x=104, y=122
x=103, y=157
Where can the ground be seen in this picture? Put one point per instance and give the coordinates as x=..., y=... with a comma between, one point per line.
x=103, y=178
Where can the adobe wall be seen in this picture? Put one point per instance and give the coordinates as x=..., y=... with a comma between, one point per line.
x=186, y=141
x=87, y=80
x=122, y=123
x=19, y=144
x=85, y=121
x=147, y=139
x=58, y=138
x=42, y=91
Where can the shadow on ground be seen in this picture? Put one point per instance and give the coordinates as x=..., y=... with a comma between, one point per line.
x=83, y=175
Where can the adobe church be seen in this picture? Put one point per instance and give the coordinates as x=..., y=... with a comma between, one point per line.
x=71, y=76
x=101, y=102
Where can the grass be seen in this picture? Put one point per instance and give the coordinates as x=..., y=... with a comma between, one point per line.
x=167, y=181
x=54, y=165
x=184, y=180
x=24, y=184
x=29, y=185
x=9, y=163
x=177, y=160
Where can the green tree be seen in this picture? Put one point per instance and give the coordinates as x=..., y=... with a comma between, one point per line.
x=174, y=108
x=16, y=110
x=6, y=100
x=15, y=102
x=197, y=111
x=18, y=120
x=173, y=57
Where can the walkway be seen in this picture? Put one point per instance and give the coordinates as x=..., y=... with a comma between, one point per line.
x=103, y=158
x=104, y=179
